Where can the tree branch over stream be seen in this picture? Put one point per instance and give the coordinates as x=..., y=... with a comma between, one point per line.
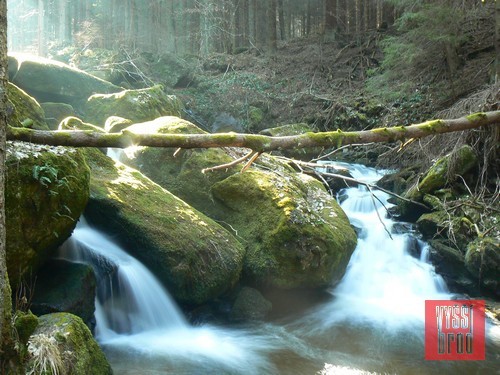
x=256, y=142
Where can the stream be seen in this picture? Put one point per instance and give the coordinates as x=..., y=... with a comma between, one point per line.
x=372, y=322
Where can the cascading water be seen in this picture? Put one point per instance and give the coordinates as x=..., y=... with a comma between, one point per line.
x=135, y=314
x=384, y=283
x=374, y=320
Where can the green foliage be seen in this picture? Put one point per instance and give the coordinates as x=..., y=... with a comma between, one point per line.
x=47, y=175
x=426, y=45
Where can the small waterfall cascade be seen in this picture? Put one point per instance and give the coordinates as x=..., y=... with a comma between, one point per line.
x=129, y=298
x=141, y=327
x=385, y=283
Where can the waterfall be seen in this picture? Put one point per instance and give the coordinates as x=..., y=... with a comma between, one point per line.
x=129, y=298
x=134, y=312
x=385, y=284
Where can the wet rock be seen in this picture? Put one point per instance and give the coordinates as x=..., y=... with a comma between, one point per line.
x=483, y=262
x=225, y=123
x=52, y=81
x=56, y=112
x=300, y=153
x=63, y=286
x=74, y=123
x=250, y=304
x=115, y=124
x=295, y=233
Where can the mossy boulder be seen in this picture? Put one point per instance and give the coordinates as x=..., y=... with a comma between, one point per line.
x=115, y=124
x=440, y=175
x=296, y=234
x=65, y=341
x=63, y=286
x=483, y=262
x=46, y=191
x=181, y=173
x=136, y=105
x=24, y=111
x=53, y=81
x=56, y=112
x=300, y=153
x=192, y=255
x=74, y=123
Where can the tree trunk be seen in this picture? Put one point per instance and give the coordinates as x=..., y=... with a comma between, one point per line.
x=7, y=351
x=256, y=142
x=271, y=26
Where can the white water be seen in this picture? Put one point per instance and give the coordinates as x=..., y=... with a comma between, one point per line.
x=373, y=322
x=384, y=284
x=135, y=314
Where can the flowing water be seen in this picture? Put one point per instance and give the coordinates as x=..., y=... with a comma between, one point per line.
x=373, y=321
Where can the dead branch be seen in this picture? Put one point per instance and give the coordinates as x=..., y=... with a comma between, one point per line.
x=256, y=142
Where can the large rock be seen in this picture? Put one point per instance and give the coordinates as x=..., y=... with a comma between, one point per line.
x=271, y=209
x=23, y=110
x=63, y=286
x=46, y=191
x=441, y=174
x=295, y=232
x=483, y=261
x=53, y=81
x=63, y=342
x=135, y=105
x=56, y=112
x=192, y=255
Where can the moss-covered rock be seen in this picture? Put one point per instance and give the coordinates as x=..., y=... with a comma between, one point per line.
x=52, y=81
x=56, y=112
x=74, y=123
x=136, y=105
x=25, y=324
x=64, y=341
x=483, y=262
x=46, y=191
x=296, y=234
x=24, y=111
x=192, y=255
x=115, y=124
x=63, y=286
x=181, y=174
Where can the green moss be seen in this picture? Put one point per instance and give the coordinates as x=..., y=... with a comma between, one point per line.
x=46, y=191
x=483, y=261
x=26, y=112
x=78, y=351
x=25, y=324
x=193, y=256
x=136, y=105
x=475, y=117
x=295, y=233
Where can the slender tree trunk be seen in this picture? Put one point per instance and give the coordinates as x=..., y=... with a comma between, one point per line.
x=497, y=42
x=271, y=26
x=7, y=351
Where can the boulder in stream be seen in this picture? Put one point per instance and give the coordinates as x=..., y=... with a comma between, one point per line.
x=295, y=233
x=62, y=343
x=193, y=256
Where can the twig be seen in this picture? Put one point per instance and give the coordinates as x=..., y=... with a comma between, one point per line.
x=373, y=196
x=228, y=165
x=249, y=163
